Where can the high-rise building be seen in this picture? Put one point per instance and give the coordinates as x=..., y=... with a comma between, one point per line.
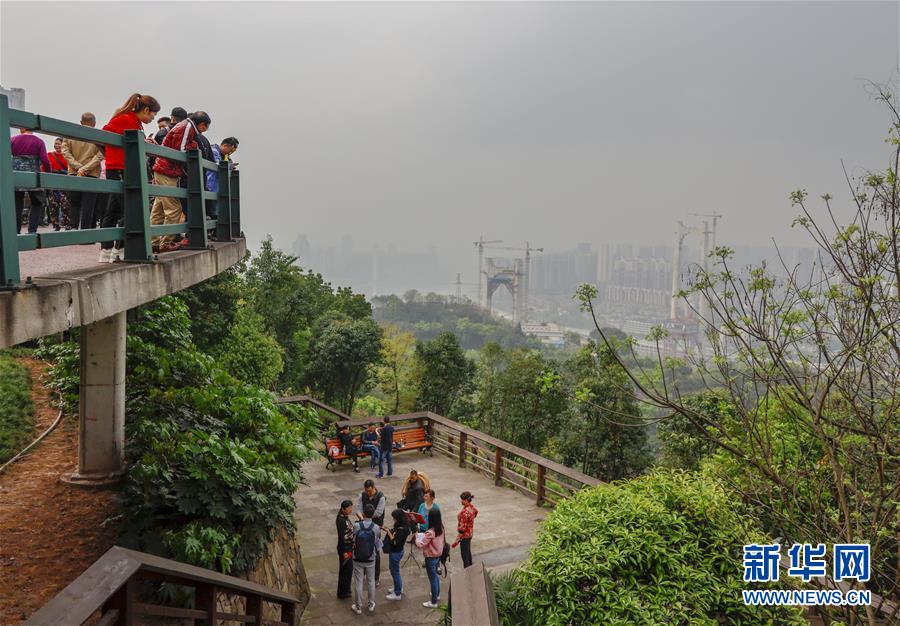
x=16, y=96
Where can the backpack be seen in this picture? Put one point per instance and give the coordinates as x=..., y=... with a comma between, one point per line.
x=445, y=558
x=364, y=542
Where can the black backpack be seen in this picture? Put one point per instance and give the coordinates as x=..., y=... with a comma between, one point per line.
x=364, y=541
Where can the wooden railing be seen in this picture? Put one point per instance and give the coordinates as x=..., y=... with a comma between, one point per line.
x=472, y=601
x=112, y=587
x=546, y=481
x=136, y=192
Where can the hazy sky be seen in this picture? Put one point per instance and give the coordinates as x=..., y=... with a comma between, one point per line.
x=433, y=123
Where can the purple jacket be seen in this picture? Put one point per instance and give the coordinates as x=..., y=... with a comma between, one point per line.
x=29, y=145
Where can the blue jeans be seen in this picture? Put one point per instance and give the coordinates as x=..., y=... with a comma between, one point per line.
x=373, y=454
x=431, y=564
x=386, y=454
x=394, y=558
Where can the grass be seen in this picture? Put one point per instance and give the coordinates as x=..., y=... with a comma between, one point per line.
x=16, y=409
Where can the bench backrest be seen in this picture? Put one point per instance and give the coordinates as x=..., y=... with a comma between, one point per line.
x=414, y=434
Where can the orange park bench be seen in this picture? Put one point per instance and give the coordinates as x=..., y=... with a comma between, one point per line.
x=409, y=438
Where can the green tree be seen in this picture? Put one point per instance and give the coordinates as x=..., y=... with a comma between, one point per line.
x=397, y=372
x=531, y=404
x=444, y=373
x=213, y=306
x=810, y=355
x=682, y=444
x=249, y=353
x=605, y=437
x=343, y=353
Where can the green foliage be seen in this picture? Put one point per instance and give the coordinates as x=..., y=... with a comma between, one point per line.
x=429, y=316
x=291, y=304
x=606, y=437
x=444, y=373
x=63, y=373
x=214, y=461
x=343, y=353
x=660, y=549
x=683, y=444
x=249, y=353
x=369, y=406
x=213, y=306
x=16, y=409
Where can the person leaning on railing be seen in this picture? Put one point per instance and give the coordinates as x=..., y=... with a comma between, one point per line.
x=58, y=201
x=137, y=111
x=183, y=136
x=83, y=158
x=29, y=153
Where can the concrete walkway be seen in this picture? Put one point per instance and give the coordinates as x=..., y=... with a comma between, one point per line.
x=504, y=531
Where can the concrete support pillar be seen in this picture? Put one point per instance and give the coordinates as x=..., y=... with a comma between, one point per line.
x=101, y=441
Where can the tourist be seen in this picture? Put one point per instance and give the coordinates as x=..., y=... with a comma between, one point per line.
x=371, y=495
x=370, y=445
x=29, y=154
x=221, y=152
x=344, y=549
x=432, y=544
x=137, y=111
x=183, y=136
x=414, y=490
x=58, y=201
x=366, y=546
x=162, y=124
x=465, y=527
x=349, y=445
x=394, y=546
x=425, y=508
x=387, y=448
x=84, y=159
x=177, y=115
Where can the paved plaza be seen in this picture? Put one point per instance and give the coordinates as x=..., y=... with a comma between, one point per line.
x=504, y=531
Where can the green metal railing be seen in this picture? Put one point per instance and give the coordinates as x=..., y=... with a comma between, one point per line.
x=136, y=191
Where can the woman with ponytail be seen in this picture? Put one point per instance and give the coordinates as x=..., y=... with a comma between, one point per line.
x=137, y=111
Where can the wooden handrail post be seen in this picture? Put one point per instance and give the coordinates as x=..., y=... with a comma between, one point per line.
x=288, y=613
x=462, y=449
x=205, y=600
x=541, y=480
x=498, y=466
x=254, y=608
x=123, y=601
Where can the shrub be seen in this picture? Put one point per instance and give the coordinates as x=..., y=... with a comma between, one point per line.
x=16, y=409
x=660, y=549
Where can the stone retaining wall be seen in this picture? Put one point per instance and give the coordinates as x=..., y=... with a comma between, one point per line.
x=281, y=569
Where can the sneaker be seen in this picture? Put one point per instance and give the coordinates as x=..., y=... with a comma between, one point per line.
x=393, y=596
x=429, y=605
x=377, y=582
x=371, y=607
x=380, y=476
x=356, y=609
x=356, y=469
x=104, y=255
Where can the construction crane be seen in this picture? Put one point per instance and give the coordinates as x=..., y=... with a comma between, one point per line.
x=706, y=250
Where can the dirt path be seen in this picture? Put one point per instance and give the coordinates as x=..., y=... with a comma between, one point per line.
x=50, y=532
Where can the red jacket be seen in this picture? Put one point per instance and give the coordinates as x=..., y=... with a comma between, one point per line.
x=58, y=162
x=115, y=157
x=182, y=136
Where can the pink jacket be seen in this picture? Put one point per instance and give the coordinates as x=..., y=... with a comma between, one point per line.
x=431, y=546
